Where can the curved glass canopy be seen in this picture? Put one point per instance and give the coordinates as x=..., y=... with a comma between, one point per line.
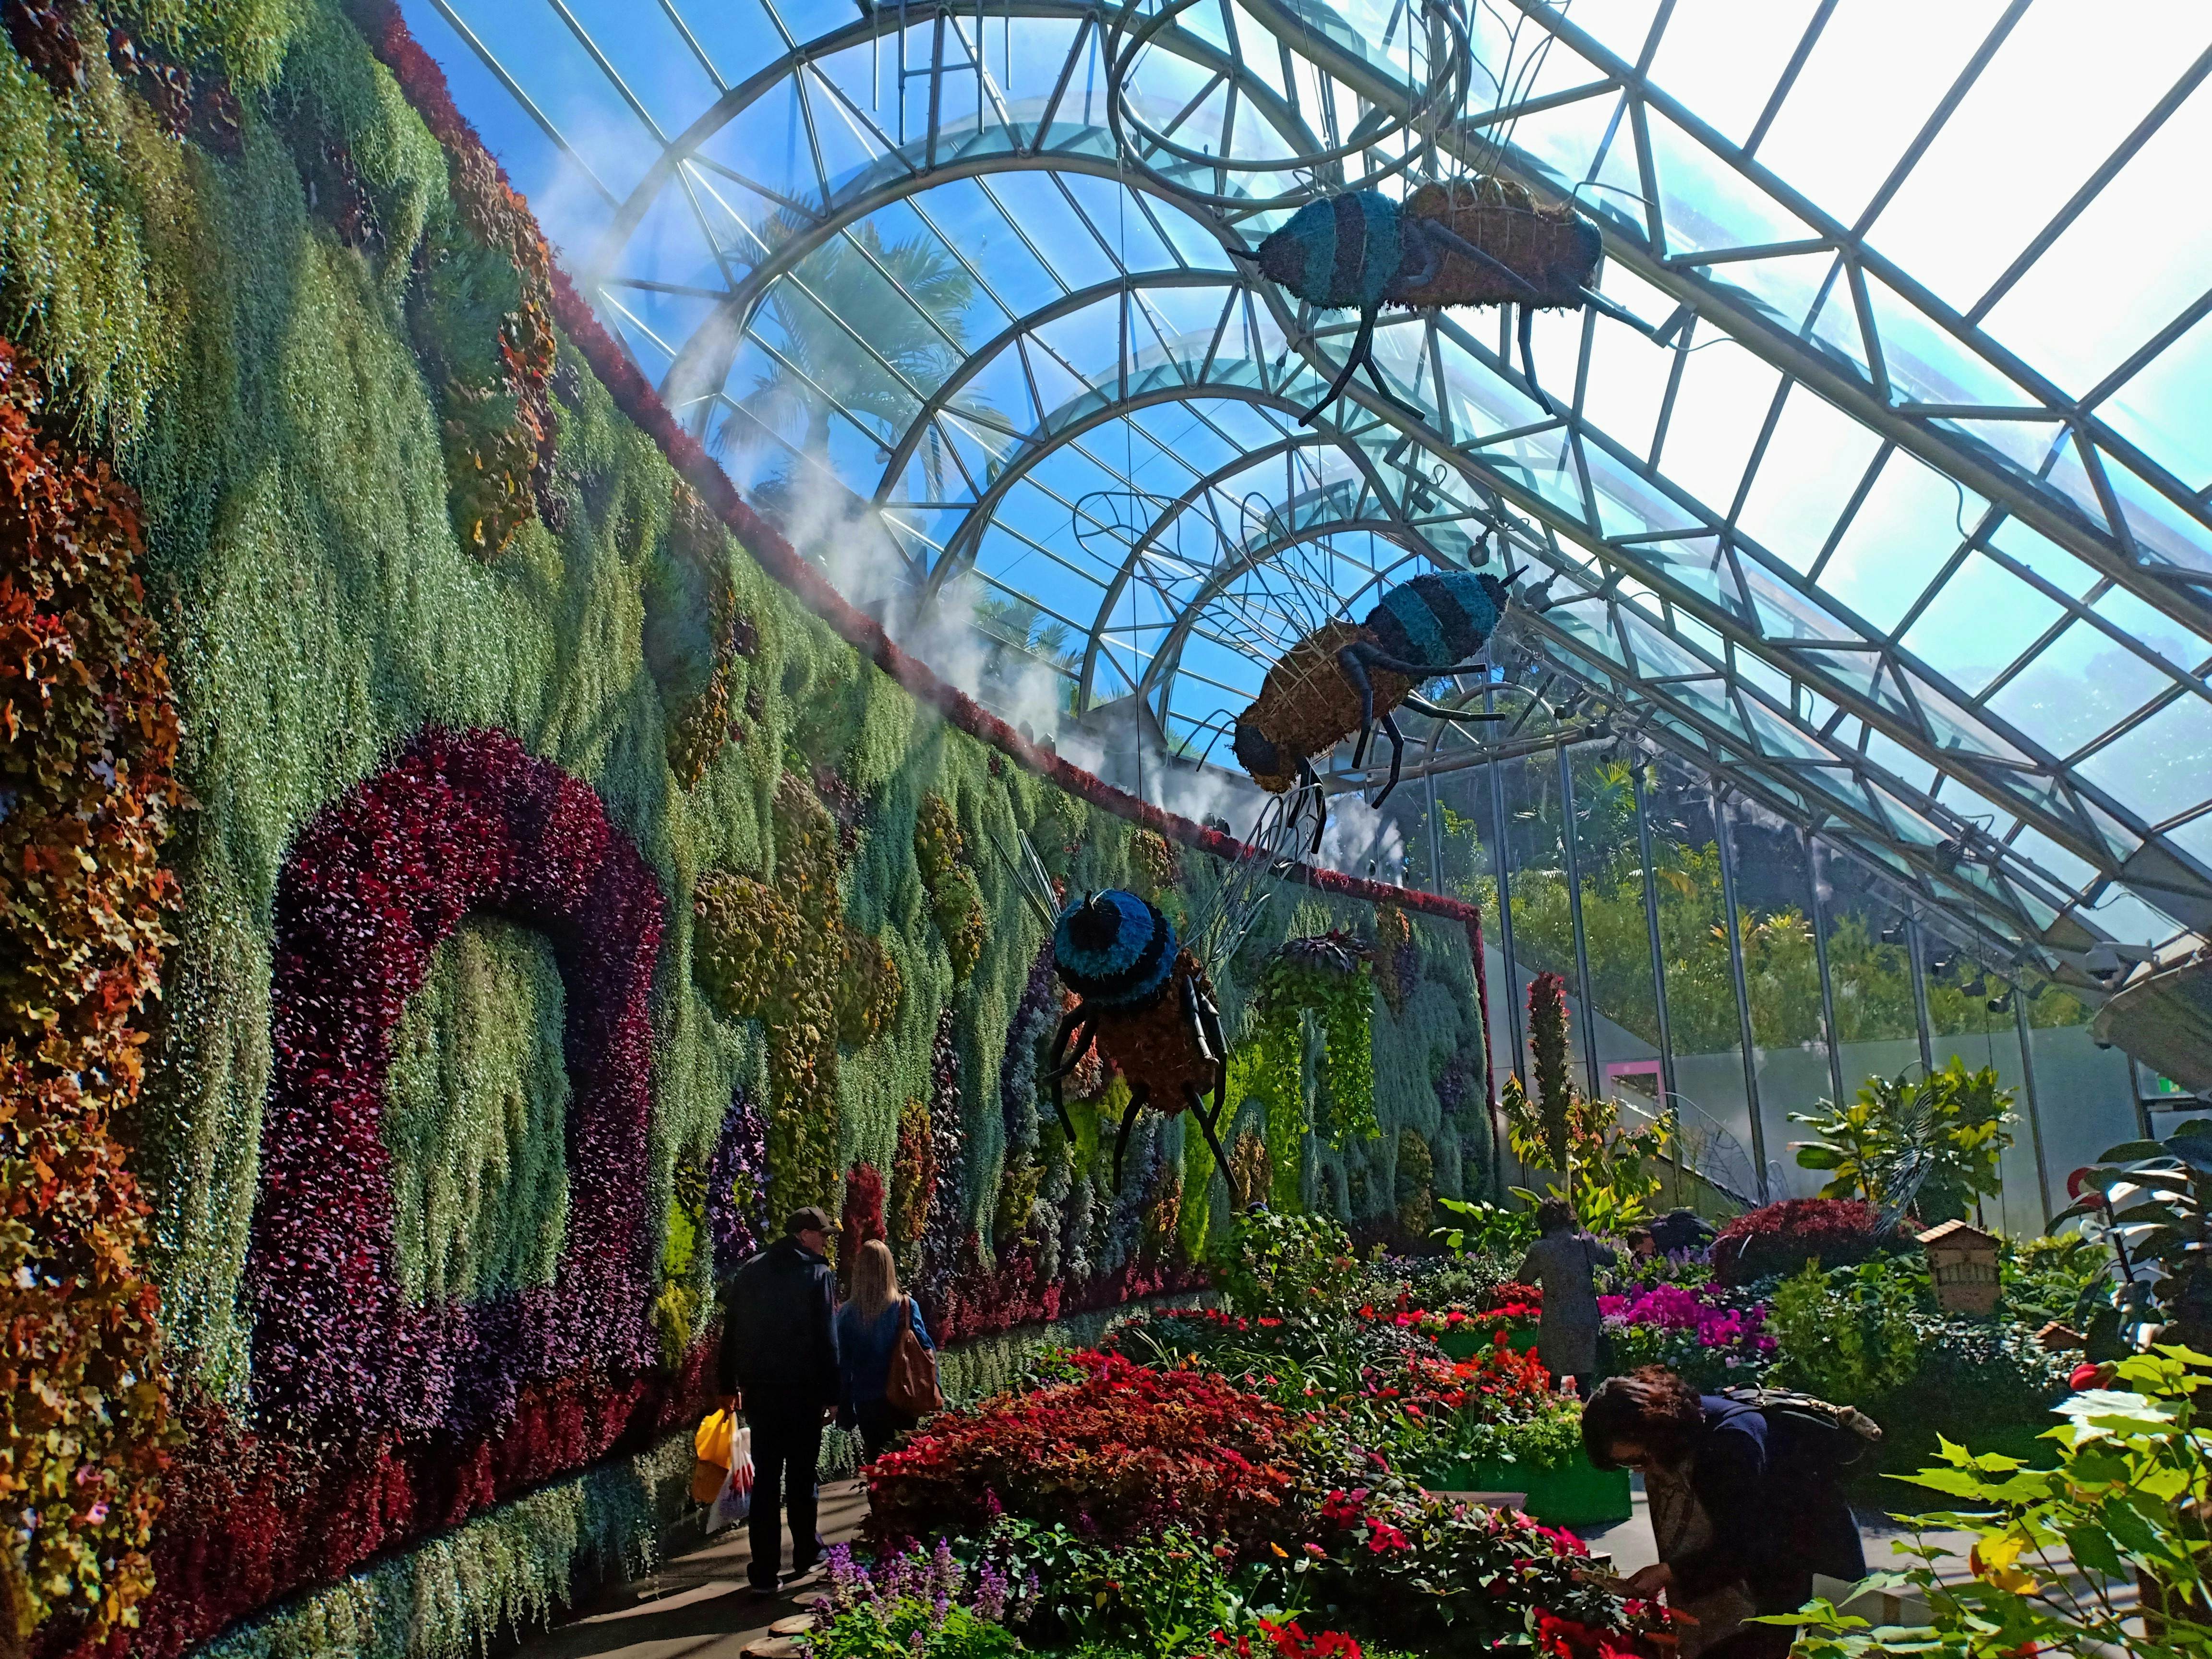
x=1878, y=490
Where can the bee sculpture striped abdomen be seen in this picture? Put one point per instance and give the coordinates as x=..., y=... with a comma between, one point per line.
x=1344, y=679
x=1546, y=249
x=1478, y=241
x=1147, y=1004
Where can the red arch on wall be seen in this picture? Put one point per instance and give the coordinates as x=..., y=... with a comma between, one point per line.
x=460, y=824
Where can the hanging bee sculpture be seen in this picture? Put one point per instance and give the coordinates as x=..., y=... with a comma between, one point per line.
x=1473, y=242
x=1346, y=677
x=1144, y=995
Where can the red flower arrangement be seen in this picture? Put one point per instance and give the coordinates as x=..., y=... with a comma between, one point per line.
x=1508, y=1384
x=1514, y=1300
x=1120, y=1453
x=1781, y=1238
x=460, y=822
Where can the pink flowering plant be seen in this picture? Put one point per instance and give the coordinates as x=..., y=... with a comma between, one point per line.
x=1708, y=1340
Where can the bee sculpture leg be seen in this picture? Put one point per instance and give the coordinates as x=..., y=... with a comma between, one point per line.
x=1441, y=236
x=1138, y=1094
x=1397, y=758
x=1437, y=712
x=1529, y=357
x=1209, y=1026
x=1361, y=342
x=1321, y=804
x=1197, y=1105
x=1355, y=670
x=1059, y=1062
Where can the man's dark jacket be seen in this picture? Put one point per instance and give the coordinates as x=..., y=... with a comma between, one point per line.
x=779, y=1331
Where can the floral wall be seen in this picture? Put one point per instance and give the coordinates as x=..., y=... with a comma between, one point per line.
x=463, y=873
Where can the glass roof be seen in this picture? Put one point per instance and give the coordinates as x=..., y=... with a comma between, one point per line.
x=1879, y=488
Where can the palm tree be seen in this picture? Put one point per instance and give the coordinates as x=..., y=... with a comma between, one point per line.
x=849, y=286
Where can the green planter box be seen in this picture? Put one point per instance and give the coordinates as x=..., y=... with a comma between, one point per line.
x=1462, y=1342
x=1576, y=1495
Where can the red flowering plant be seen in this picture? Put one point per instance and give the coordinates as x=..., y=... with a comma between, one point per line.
x=1644, y=1634
x=1514, y=1302
x=1418, y=1566
x=1118, y=1452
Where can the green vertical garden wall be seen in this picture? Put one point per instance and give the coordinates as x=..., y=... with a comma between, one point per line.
x=529, y=856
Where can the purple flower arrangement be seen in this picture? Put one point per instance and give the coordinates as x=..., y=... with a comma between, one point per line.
x=461, y=822
x=935, y=1578
x=737, y=1184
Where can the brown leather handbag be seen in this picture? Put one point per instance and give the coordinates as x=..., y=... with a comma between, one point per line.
x=911, y=1384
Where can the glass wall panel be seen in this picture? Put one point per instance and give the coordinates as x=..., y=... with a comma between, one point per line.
x=1701, y=999
x=1782, y=979
x=2085, y=1093
x=1611, y=866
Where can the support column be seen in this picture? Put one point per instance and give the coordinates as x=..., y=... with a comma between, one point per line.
x=1575, y=911
x=1651, y=933
x=1819, y=913
x=1436, y=839
x=2019, y=994
x=1500, y=870
x=1725, y=843
x=1912, y=943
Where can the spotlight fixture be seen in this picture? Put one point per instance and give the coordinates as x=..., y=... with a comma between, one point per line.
x=1894, y=934
x=2003, y=1005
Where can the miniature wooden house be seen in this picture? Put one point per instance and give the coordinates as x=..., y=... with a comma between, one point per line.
x=1962, y=1260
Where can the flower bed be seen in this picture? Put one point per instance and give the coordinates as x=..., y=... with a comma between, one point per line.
x=1118, y=1450
x=1710, y=1343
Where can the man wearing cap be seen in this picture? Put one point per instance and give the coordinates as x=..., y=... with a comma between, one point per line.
x=779, y=1356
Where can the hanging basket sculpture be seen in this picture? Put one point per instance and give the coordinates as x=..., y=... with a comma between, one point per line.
x=1345, y=677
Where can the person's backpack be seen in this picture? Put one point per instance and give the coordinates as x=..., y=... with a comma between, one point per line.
x=910, y=1385
x=1826, y=1440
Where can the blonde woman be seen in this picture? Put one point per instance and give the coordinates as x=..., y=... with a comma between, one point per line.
x=867, y=1332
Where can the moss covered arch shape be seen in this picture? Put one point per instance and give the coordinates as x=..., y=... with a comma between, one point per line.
x=458, y=824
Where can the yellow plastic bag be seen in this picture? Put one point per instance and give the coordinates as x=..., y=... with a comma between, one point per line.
x=710, y=1462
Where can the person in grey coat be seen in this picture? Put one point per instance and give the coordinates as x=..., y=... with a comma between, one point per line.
x=1564, y=1262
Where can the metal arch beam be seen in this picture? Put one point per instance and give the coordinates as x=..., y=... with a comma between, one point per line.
x=1169, y=656
x=960, y=545
x=873, y=25
x=982, y=356
x=705, y=357
x=1795, y=357
x=1176, y=506
x=726, y=321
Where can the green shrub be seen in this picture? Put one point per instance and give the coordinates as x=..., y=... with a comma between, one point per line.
x=1847, y=1336
x=889, y=1630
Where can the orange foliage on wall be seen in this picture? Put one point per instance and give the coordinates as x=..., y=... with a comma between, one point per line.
x=87, y=750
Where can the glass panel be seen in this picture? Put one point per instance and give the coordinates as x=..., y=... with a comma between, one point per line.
x=1701, y=1001
x=1613, y=877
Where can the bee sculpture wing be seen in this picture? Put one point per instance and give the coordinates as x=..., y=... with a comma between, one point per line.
x=1225, y=918
x=1031, y=879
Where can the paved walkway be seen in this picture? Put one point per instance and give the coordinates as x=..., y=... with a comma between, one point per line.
x=696, y=1605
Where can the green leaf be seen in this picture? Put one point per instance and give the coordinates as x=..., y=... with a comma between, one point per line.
x=2091, y=1546
x=1817, y=1156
